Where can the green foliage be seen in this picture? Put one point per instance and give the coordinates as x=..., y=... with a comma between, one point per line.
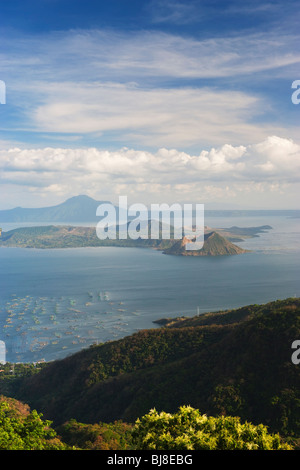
x=145, y=349
x=99, y=436
x=26, y=433
x=11, y=375
x=188, y=429
x=235, y=363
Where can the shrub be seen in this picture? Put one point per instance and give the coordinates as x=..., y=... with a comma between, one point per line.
x=188, y=429
x=26, y=433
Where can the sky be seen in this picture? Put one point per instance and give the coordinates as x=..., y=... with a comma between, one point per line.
x=159, y=100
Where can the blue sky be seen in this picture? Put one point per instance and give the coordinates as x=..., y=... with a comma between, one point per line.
x=159, y=100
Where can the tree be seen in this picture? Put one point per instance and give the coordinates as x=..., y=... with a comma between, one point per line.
x=26, y=433
x=188, y=429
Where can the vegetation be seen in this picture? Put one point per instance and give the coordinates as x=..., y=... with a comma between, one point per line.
x=187, y=429
x=98, y=436
x=234, y=363
x=21, y=429
x=24, y=430
x=12, y=374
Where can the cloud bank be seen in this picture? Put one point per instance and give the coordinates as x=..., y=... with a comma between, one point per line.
x=271, y=165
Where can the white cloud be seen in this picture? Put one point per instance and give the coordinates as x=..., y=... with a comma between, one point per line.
x=148, y=90
x=162, y=117
x=227, y=171
x=236, y=161
x=145, y=88
x=106, y=55
x=182, y=117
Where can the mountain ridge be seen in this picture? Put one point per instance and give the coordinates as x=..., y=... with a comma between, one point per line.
x=82, y=208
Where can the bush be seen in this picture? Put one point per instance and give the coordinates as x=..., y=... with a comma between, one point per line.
x=99, y=436
x=188, y=429
x=26, y=433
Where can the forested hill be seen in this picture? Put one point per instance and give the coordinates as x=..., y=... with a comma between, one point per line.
x=235, y=362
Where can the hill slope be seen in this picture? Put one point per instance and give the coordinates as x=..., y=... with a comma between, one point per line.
x=236, y=362
x=214, y=245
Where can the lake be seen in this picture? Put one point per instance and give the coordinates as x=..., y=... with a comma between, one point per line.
x=55, y=302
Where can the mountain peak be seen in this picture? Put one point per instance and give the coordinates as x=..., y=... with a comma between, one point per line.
x=79, y=208
x=80, y=197
x=214, y=245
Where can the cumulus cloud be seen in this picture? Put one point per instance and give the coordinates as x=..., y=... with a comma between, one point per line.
x=273, y=163
x=278, y=156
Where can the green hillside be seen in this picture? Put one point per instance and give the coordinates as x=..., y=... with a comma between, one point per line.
x=236, y=362
x=187, y=429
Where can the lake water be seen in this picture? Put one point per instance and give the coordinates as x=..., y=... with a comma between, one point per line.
x=55, y=302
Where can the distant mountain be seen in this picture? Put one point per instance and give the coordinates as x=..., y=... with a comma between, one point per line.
x=83, y=208
x=76, y=209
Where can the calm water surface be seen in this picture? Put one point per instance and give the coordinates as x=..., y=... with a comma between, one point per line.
x=56, y=302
